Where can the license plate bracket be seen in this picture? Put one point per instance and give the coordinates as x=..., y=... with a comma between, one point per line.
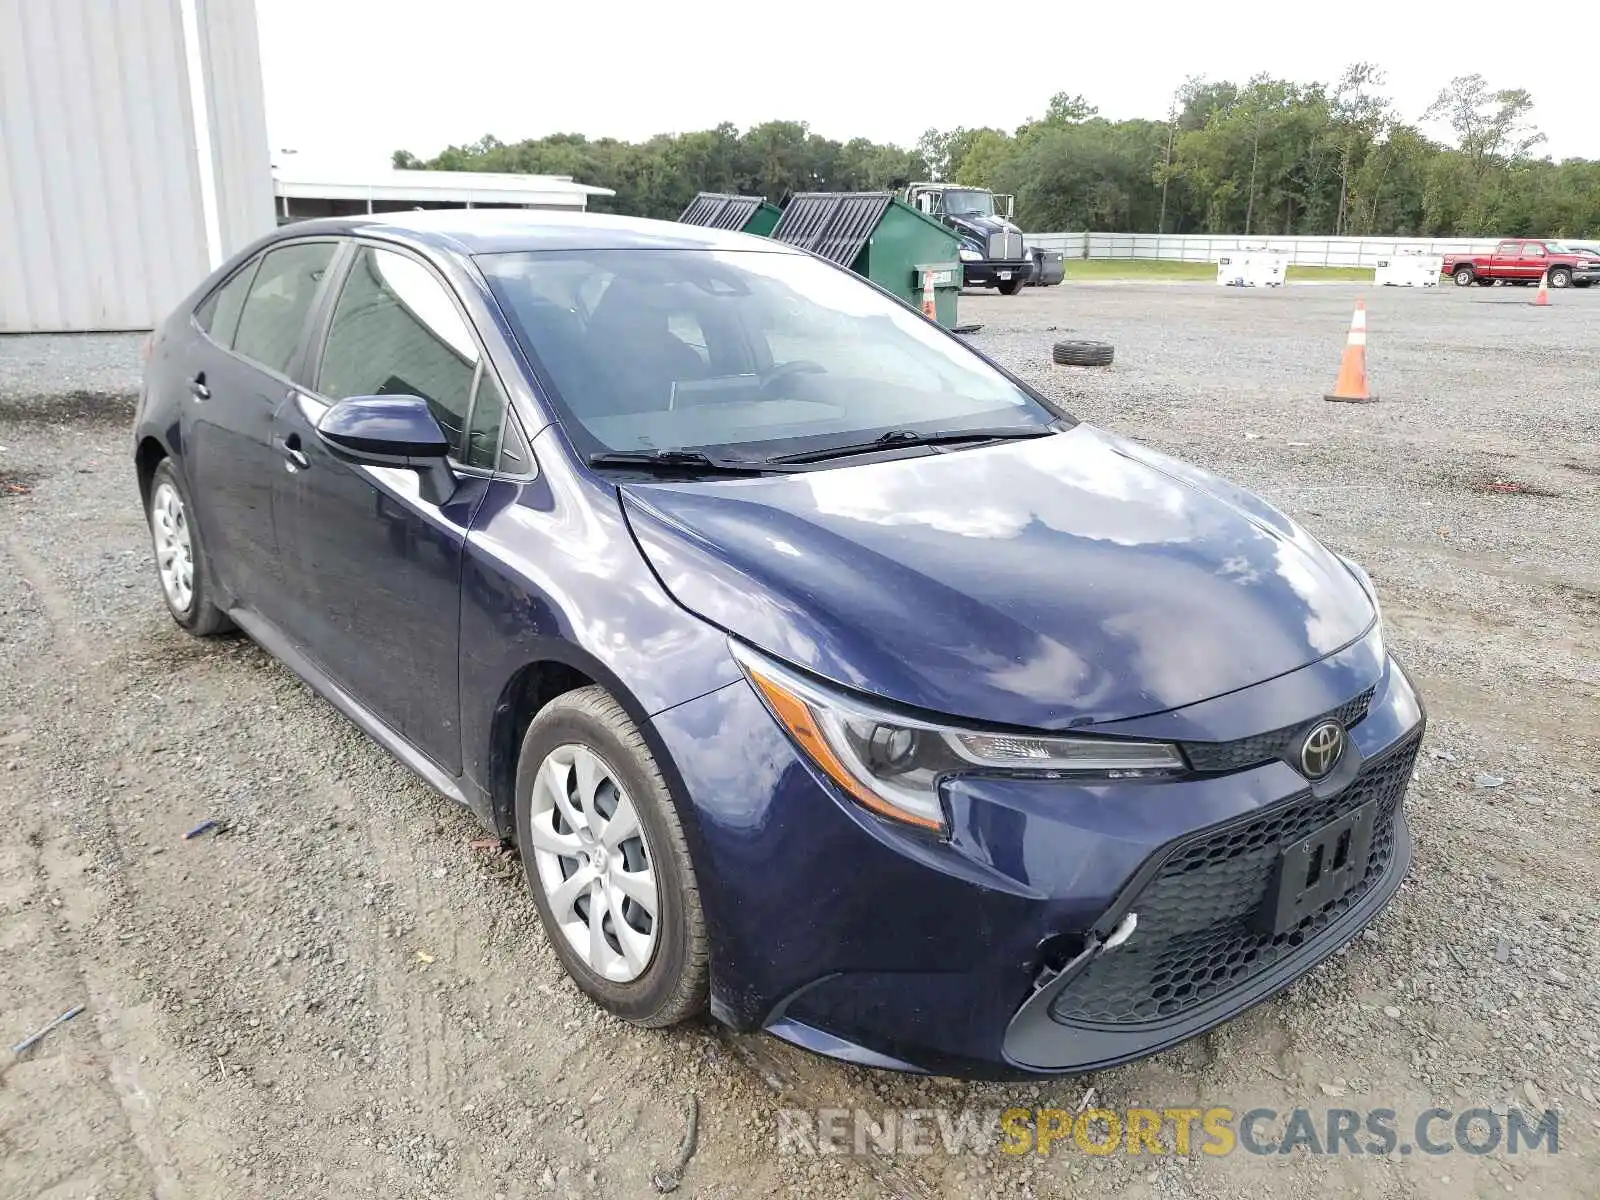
x=1319, y=868
x=1006, y=275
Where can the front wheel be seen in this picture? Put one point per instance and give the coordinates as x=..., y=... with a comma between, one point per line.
x=607, y=862
x=1560, y=278
x=1464, y=276
x=1009, y=287
x=181, y=563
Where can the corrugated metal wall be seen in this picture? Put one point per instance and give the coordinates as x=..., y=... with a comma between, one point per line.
x=103, y=217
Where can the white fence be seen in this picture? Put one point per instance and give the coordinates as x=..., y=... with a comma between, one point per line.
x=1201, y=247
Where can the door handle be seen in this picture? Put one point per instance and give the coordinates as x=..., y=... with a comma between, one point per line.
x=198, y=388
x=289, y=447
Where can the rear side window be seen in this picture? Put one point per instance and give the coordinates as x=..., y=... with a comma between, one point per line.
x=396, y=332
x=280, y=297
x=218, y=315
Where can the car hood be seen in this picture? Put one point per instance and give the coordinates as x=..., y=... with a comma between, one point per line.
x=983, y=225
x=1047, y=583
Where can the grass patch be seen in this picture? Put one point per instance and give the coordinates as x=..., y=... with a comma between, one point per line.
x=1162, y=268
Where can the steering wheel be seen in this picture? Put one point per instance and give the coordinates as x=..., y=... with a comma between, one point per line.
x=780, y=371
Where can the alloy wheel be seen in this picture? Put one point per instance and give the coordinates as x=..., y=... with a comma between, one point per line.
x=593, y=862
x=169, y=523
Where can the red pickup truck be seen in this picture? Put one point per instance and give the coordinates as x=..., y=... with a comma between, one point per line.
x=1524, y=260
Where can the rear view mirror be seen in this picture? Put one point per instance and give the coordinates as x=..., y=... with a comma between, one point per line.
x=391, y=431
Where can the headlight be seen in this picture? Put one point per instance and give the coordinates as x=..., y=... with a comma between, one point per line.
x=968, y=254
x=892, y=764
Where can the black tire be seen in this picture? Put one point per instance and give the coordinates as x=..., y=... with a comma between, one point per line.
x=1560, y=277
x=1010, y=287
x=675, y=985
x=1465, y=276
x=1082, y=354
x=201, y=617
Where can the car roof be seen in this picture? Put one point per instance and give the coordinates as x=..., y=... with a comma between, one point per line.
x=503, y=230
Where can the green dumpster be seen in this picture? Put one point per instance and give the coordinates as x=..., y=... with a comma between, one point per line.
x=747, y=214
x=946, y=280
x=878, y=237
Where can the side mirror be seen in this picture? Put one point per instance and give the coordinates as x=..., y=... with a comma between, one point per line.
x=391, y=431
x=1011, y=207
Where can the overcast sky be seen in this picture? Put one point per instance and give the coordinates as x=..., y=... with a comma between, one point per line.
x=354, y=80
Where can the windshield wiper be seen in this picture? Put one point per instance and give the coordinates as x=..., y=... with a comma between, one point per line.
x=680, y=460
x=910, y=437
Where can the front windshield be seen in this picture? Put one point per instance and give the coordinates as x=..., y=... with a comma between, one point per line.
x=961, y=201
x=753, y=352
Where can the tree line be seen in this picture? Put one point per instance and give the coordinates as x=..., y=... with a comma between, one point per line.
x=1269, y=156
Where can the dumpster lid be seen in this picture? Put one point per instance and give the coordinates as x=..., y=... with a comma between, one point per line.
x=717, y=210
x=835, y=225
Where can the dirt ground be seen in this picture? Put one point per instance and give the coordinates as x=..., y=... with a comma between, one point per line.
x=340, y=995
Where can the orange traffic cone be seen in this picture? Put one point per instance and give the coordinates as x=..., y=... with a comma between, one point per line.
x=929, y=308
x=1542, y=300
x=1351, y=386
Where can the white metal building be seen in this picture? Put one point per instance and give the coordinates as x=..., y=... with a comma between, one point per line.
x=305, y=190
x=133, y=156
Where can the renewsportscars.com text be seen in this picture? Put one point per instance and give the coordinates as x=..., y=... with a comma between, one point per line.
x=1214, y=1131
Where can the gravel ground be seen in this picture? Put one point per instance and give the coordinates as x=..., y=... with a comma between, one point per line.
x=340, y=995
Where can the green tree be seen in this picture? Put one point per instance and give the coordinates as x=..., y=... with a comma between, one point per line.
x=1264, y=156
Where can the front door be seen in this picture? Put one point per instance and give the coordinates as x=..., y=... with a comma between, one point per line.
x=1534, y=260
x=375, y=567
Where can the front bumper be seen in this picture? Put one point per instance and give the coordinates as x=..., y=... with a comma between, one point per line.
x=993, y=272
x=871, y=942
x=1591, y=275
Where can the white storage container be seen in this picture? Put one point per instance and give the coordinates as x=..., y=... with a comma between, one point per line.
x=1252, y=268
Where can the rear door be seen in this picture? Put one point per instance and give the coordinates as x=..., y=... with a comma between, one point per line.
x=253, y=327
x=375, y=566
x=1507, y=261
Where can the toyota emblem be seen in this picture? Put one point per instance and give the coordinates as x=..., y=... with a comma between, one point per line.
x=1322, y=749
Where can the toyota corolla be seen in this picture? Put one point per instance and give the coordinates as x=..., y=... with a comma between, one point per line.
x=826, y=675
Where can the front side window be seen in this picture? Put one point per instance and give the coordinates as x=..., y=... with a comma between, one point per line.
x=274, y=313
x=1533, y=250
x=488, y=414
x=396, y=332
x=219, y=313
x=767, y=352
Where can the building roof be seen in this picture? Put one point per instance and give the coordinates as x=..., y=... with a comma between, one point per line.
x=297, y=180
x=503, y=230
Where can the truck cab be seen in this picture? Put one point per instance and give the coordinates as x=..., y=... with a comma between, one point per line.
x=992, y=250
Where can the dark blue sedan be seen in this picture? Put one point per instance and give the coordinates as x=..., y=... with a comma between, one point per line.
x=825, y=674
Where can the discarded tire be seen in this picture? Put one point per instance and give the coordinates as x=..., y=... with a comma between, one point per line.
x=1082, y=354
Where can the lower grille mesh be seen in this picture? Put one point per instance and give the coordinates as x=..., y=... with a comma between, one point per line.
x=1198, y=936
